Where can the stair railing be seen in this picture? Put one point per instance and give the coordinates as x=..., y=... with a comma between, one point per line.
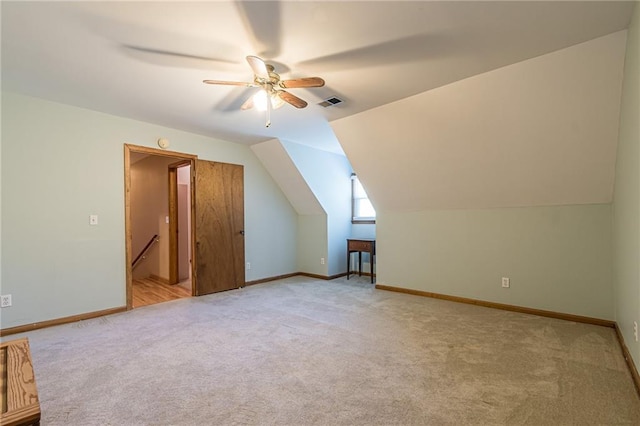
x=143, y=254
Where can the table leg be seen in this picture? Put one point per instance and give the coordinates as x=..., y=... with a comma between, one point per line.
x=359, y=263
x=348, y=263
x=371, y=265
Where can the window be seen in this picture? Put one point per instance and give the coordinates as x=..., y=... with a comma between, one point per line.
x=362, y=210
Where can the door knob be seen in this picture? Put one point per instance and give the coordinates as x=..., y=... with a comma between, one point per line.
x=242, y=232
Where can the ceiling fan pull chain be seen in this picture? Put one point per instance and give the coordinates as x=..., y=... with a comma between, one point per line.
x=268, y=110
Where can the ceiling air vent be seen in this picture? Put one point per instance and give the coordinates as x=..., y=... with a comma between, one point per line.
x=330, y=102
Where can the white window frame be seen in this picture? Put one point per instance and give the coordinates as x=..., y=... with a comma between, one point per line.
x=356, y=199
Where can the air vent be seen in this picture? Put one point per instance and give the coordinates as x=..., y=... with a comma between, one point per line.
x=330, y=102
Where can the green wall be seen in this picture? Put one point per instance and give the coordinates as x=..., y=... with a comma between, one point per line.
x=312, y=244
x=558, y=258
x=59, y=165
x=626, y=204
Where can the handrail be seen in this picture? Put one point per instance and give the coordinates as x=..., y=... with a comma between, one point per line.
x=144, y=251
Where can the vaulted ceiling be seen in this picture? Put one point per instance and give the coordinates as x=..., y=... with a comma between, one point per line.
x=147, y=60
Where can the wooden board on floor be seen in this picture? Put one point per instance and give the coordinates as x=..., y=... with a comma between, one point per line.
x=20, y=403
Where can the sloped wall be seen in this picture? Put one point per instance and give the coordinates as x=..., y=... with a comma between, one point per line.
x=458, y=175
x=539, y=132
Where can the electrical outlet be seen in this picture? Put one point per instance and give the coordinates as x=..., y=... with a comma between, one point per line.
x=5, y=301
x=322, y=260
x=248, y=265
x=506, y=282
x=635, y=330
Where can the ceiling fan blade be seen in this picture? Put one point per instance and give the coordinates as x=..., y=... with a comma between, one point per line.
x=143, y=53
x=407, y=49
x=262, y=21
x=229, y=83
x=302, y=82
x=248, y=104
x=258, y=66
x=292, y=99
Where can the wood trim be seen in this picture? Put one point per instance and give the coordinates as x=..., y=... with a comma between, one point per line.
x=266, y=280
x=181, y=163
x=173, y=225
x=322, y=277
x=192, y=212
x=60, y=321
x=161, y=152
x=174, y=251
x=296, y=274
x=128, y=149
x=127, y=228
x=627, y=357
x=505, y=307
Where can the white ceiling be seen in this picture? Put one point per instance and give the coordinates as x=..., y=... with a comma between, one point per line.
x=147, y=60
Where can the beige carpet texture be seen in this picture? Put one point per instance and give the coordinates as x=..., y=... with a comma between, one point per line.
x=302, y=351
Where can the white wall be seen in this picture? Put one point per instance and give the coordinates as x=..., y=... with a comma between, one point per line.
x=460, y=177
x=328, y=175
x=626, y=205
x=59, y=165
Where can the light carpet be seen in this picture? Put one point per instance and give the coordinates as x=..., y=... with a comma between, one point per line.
x=302, y=351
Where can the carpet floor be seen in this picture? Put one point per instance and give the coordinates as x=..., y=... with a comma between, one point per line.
x=302, y=351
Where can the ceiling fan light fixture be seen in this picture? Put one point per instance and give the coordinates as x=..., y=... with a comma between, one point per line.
x=260, y=100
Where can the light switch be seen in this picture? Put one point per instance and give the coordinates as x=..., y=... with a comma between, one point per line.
x=166, y=219
x=93, y=219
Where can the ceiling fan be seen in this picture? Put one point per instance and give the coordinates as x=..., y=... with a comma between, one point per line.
x=272, y=94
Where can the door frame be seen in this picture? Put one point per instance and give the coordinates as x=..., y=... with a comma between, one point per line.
x=174, y=246
x=128, y=149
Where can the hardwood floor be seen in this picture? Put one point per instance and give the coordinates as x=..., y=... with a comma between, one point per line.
x=149, y=291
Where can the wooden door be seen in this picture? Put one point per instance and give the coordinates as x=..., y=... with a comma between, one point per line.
x=219, y=226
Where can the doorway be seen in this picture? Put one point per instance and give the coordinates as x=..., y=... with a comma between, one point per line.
x=152, y=227
x=209, y=197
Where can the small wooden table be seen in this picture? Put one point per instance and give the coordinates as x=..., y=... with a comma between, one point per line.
x=359, y=245
x=20, y=404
